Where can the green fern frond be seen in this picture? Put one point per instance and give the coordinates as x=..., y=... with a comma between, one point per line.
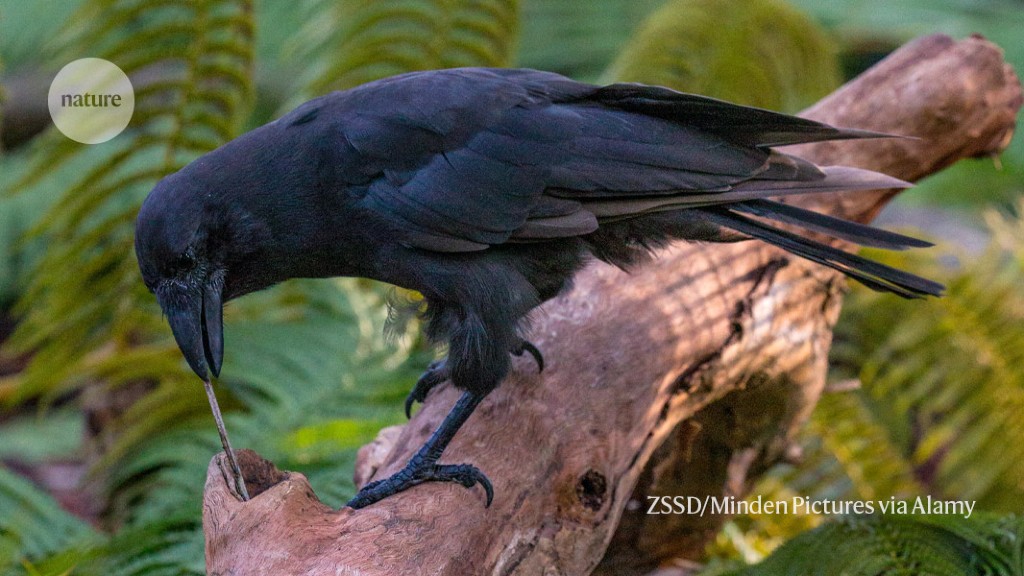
x=155, y=549
x=941, y=397
x=169, y=546
x=355, y=41
x=896, y=545
x=761, y=53
x=578, y=39
x=948, y=379
x=847, y=455
x=850, y=431
x=33, y=525
x=85, y=303
x=16, y=215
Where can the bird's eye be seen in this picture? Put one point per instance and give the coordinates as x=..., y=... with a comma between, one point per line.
x=184, y=261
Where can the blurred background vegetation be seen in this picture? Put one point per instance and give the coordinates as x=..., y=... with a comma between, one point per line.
x=105, y=436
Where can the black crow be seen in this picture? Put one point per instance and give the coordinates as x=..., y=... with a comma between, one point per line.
x=485, y=190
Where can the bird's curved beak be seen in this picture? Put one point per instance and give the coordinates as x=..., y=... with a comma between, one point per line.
x=196, y=321
x=213, y=327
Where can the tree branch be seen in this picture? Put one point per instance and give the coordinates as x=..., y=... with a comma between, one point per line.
x=686, y=377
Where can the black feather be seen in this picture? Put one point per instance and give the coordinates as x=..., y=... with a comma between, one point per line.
x=873, y=274
x=835, y=227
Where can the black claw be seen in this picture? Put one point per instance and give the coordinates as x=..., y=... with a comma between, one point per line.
x=527, y=346
x=485, y=483
x=436, y=373
x=465, y=474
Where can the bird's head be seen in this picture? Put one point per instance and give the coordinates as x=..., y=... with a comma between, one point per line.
x=179, y=262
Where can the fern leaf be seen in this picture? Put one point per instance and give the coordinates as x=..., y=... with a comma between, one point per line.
x=851, y=433
x=85, y=299
x=768, y=54
x=942, y=392
x=33, y=525
x=948, y=379
x=899, y=546
x=370, y=40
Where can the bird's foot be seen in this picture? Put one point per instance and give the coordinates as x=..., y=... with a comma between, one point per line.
x=423, y=466
x=527, y=346
x=413, y=474
x=436, y=373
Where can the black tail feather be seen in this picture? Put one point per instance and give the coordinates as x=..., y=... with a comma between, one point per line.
x=830, y=225
x=870, y=273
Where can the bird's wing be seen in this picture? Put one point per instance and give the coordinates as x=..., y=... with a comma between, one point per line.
x=644, y=149
x=418, y=148
x=463, y=159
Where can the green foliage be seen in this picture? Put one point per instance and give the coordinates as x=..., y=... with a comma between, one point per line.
x=370, y=39
x=2, y=98
x=34, y=437
x=15, y=253
x=170, y=546
x=33, y=525
x=27, y=37
x=849, y=429
x=899, y=546
x=976, y=183
x=202, y=52
x=947, y=381
x=769, y=55
x=578, y=38
x=310, y=374
x=998, y=20
x=938, y=412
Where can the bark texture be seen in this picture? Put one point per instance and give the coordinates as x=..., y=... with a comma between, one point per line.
x=687, y=377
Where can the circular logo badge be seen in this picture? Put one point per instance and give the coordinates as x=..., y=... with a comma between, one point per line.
x=91, y=100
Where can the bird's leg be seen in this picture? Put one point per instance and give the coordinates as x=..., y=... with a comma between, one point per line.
x=527, y=346
x=436, y=373
x=423, y=466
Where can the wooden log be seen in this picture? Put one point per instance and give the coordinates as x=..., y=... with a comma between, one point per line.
x=687, y=377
